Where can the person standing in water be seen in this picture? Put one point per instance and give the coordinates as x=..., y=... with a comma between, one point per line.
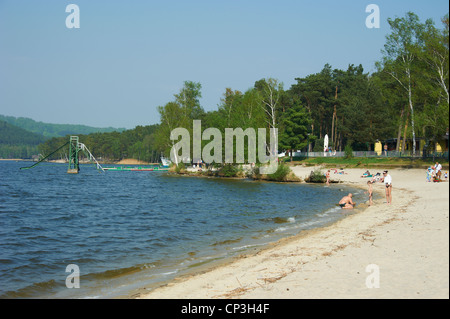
x=370, y=192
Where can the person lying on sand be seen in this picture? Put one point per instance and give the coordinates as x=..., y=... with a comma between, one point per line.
x=346, y=202
x=366, y=174
x=376, y=178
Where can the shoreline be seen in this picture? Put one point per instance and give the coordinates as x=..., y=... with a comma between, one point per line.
x=250, y=247
x=130, y=161
x=330, y=262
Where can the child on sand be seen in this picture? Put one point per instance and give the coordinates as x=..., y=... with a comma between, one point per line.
x=370, y=192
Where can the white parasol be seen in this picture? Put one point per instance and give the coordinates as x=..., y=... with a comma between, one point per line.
x=325, y=144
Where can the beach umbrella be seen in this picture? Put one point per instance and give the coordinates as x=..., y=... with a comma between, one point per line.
x=325, y=143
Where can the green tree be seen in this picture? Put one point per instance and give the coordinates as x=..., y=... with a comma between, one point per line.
x=189, y=99
x=399, y=55
x=270, y=91
x=434, y=118
x=436, y=55
x=317, y=93
x=231, y=108
x=172, y=115
x=295, y=122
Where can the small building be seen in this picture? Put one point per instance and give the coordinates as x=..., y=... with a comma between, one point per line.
x=423, y=146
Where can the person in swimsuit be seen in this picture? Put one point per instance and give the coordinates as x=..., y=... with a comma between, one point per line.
x=387, y=179
x=346, y=202
x=370, y=192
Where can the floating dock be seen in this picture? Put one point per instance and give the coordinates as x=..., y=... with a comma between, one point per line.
x=136, y=169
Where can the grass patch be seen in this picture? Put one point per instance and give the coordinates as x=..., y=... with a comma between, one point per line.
x=355, y=162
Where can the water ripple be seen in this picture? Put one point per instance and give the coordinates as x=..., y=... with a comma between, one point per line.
x=117, y=224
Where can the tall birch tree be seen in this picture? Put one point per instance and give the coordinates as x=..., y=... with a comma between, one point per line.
x=399, y=55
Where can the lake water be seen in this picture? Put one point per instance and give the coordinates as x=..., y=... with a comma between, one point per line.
x=126, y=230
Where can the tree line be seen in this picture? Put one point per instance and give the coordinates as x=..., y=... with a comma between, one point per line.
x=136, y=143
x=407, y=97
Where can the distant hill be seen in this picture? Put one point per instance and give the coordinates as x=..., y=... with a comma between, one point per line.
x=55, y=130
x=13, y=135
x=15, y=142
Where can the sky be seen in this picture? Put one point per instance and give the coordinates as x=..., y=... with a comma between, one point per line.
x=129, y=57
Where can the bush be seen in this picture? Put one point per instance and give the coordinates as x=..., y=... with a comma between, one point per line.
x=254, y=172
x=281, y=173
x=348, y=151
x=316, y=176
x=229, y=170
x=180, y=168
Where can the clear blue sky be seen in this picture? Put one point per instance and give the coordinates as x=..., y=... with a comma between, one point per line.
x=128, y=57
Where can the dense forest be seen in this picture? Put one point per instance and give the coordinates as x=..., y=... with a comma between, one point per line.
x=16, y=142
x=136, y=143
x=405, y=99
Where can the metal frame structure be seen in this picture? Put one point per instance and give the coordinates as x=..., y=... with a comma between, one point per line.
x=74, y=163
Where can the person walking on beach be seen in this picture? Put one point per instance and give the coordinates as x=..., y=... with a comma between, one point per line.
x=346, y=202
x=387, y=179
x=370, y=192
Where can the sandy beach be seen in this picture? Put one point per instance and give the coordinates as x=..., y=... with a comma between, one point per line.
x=385, y=251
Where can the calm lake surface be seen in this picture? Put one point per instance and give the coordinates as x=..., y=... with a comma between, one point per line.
x=127, y=230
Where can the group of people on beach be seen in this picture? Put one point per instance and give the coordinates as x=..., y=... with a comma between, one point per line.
x=327, y=174
x=434, y=173
x=347, y=202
